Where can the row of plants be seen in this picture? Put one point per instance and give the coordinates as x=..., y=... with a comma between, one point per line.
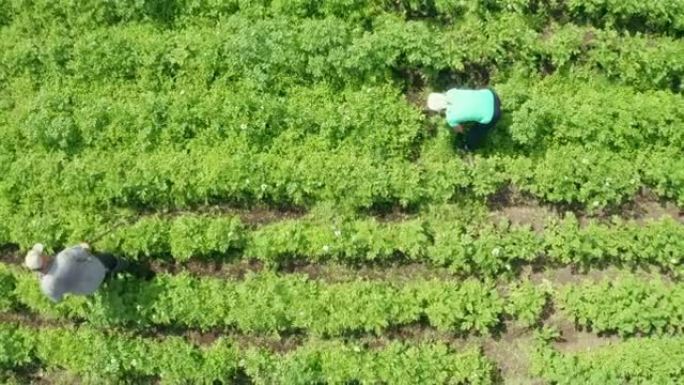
x=374, y=121
x=117, y=357
x=267, y=303
x=42, y=199
x=653, y=360
x=660, y=17
x=627, y=306
x=559, y=110
x=271, y=304
x=279, y=52
x=465, y=247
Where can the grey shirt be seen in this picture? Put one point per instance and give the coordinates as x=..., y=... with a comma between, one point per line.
x=75, y=271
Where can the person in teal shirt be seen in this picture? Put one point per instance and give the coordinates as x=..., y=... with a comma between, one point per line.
x=480, y=107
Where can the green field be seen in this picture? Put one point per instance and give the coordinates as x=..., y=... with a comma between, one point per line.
x=293, y=215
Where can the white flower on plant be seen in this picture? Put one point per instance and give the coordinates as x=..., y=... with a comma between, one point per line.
x=496, y=252
x=338, y=233
x=326, y=249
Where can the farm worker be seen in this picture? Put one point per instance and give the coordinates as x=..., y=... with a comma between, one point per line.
x=481, y=107
x=75, y=270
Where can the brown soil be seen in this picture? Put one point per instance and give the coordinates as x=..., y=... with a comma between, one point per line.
x=31, y=320
x=534, y=216
x=232, y=270
x=547, y=32
x=416, y=97
x=511, y=354
x=521, y=209
x=576, y=341
x=35, y=375
x=244, y=341
x=328, y=272
x=395, y=214
x=647, y=207
x=55, y=377
x=261, y=216
x=258, y=215
x=10, y=254
x=517, y=206
x=332, y=272
x=568, y=275
x=588, y=39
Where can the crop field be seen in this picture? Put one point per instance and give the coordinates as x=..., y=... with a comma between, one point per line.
x=293, y=214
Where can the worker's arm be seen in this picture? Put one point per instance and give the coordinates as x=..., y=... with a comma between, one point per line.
x=453, y=121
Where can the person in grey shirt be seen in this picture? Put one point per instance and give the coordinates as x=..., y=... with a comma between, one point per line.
x=75, y=270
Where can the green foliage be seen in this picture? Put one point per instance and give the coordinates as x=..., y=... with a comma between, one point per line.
x=267, y=303
x=125, y=358
x=626, y=306
x=157, y=111
x=629, y=243
x=526, y=302
x=466, y=307
x=563, y=110
x=396, y=363
x=285, y=111
x=466, y=247
x=575, y=174
x=16, y=348
x=344, y=241
x=652, y=360
x=192, y=236
x=7, y=286
x=664, y=171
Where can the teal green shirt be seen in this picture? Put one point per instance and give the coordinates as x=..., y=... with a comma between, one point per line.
x=469, y=106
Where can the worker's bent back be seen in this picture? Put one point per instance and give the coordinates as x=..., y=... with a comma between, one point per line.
x=469, y=106
x=74, y=270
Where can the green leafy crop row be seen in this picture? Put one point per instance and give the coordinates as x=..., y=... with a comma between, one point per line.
x=657, y=16
x=113, y=118
x=267, y=303
x=636, y=361
x=116, y=358
x=353, y=147
x=280, y=52
x=560, y=110
x=466, y=248
x=627, y=306
x=42, y=199
x=373, y=121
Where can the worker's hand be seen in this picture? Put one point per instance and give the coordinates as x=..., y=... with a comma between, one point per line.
x=458, y=129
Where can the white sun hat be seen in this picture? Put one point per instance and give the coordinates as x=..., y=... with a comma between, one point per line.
x=436, y=101
x=34, y=258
